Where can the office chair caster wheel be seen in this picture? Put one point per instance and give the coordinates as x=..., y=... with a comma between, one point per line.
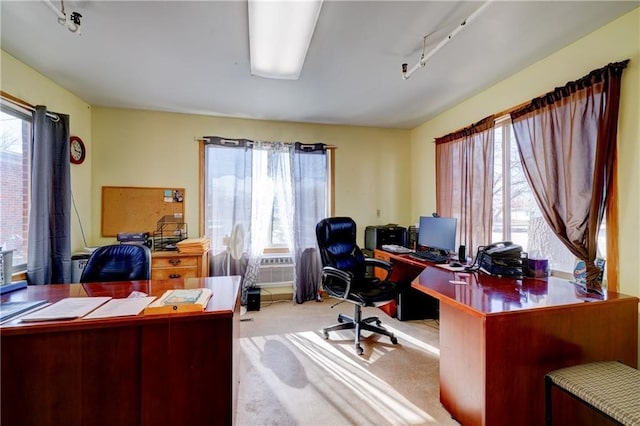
x=326, y=334
x=394, y=340
x=359, y=350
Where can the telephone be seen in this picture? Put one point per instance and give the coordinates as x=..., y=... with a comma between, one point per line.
x=504, y=259
x=503, y=249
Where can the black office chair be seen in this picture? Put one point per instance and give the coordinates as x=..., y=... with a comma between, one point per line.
x=344, y=277
x=119, y=262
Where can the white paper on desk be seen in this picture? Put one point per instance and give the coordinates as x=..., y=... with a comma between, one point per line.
x=121, y=308
x=68, y=308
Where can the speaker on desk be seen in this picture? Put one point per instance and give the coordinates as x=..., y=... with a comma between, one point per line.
x=462, y=254
x=412, y=237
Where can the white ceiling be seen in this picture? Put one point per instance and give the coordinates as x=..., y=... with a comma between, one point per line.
x=193, y=56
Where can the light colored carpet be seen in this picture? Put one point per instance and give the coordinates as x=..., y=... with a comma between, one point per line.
x=291, y=375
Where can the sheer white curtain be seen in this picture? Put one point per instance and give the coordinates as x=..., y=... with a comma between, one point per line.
x=227, y=171
x=245, y=183
x=272, y=189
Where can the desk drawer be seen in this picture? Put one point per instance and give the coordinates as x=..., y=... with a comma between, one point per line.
x=174, y=273
x=168, y=265
x=174, y=262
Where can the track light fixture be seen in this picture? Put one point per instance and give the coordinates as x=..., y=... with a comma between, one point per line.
x=72, y=22
x=423, y=59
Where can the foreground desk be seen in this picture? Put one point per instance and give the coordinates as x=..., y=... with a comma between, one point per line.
x=178, y=369
x=499, y=336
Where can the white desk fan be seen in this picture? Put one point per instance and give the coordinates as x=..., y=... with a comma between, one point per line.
x=236, y=245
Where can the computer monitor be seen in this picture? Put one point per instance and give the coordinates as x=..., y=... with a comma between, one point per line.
x=437, y=233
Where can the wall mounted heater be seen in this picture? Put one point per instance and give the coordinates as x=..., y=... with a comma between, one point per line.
x=275, y=271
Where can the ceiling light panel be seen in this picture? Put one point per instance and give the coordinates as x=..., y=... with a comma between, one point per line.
x=279, y=36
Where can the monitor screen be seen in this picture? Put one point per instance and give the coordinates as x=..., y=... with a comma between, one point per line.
x=437, y=233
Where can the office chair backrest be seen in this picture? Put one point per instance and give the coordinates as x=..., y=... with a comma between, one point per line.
x=120, y=262
x=337, y=243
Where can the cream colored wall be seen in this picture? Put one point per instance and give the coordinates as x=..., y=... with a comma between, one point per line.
x=614, y=42
x=146, y=148
x=29, y=85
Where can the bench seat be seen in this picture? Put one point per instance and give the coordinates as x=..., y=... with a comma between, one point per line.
x=610, y=387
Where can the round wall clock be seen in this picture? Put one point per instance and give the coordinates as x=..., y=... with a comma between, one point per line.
x=77, y=152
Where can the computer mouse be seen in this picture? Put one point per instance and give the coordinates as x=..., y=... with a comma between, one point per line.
x=455, y=264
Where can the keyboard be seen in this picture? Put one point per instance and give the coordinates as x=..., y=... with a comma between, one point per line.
x=430, y=256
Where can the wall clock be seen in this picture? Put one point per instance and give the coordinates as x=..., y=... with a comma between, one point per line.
x=78, y=151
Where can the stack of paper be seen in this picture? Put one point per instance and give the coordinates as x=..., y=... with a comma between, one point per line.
x=68, y=308
x=120, y=308
x=193, y=245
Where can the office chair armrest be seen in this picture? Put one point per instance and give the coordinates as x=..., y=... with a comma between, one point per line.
x=346, y=277
x=379, y=263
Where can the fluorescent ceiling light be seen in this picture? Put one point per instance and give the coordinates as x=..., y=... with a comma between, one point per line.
x=279, y=36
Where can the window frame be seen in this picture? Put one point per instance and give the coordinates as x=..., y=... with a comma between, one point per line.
x=16, y=112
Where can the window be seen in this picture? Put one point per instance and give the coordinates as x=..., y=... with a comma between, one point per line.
x=516, y=216
x=15, y=128
x=238, y=189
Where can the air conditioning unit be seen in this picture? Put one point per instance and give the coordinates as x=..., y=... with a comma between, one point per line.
x=275, y=271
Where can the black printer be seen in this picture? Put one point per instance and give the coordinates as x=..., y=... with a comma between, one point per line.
x=392, y=234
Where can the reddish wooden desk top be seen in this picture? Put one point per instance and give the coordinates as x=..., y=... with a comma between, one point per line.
x=225, y=293
x=491, y=295
x=486, y=295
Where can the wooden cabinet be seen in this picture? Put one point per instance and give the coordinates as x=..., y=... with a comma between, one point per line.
x=174, y=265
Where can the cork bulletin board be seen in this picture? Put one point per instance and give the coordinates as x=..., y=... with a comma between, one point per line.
x=138, y=209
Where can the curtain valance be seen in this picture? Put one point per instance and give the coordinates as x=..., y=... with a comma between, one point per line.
x=248, y=144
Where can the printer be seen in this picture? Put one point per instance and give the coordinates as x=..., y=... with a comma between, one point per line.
x=391, y=234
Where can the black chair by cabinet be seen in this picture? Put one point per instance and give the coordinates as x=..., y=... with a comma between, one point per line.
x=344, y=277
x=118, y=262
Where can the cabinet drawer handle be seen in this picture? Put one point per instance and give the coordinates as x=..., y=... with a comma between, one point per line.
x=174, y=276
x=174, y=262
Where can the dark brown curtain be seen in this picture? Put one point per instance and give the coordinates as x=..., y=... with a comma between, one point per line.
x=464, y=181
x=567, y=145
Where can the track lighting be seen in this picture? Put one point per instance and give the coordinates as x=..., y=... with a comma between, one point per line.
x=423, y=59
x=72, y=22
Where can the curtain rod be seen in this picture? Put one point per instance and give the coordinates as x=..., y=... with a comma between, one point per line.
x=508, y=111
x=496, y=115
x=23, y=104
x=202, y=139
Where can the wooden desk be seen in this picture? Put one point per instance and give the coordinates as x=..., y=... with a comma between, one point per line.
x=499, y=336
x=145, y=370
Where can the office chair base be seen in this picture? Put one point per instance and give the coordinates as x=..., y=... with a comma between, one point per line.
x=345, y=322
